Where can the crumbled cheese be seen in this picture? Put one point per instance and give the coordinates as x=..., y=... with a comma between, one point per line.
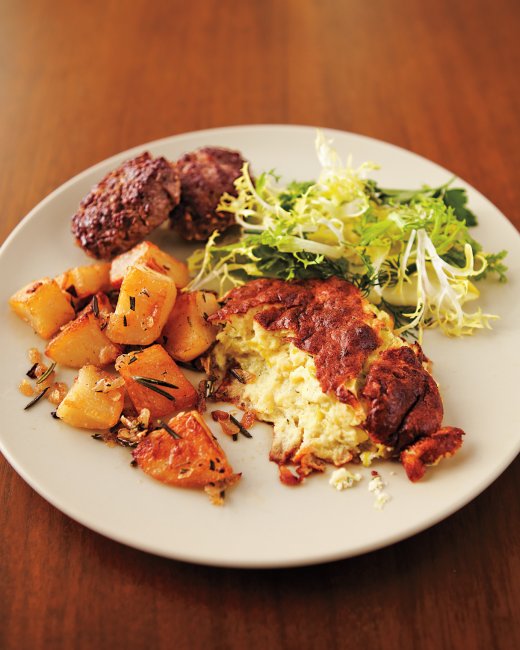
x=376, y=485
x=342, y=479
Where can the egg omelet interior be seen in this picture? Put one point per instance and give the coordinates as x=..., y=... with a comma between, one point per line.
x=286, y=392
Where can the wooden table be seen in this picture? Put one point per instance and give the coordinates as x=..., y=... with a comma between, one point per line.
x=82, y=81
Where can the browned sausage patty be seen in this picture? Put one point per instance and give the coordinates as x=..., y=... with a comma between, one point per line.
x=205, y=175
x=123, y=208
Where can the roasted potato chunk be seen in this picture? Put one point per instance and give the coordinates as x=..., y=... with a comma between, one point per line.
x=154, y=382
x=144, y=304
x=187, y=333
x=186, y=454
x=43, y=305
x=150, y=255
x=83, y=341
x=83, y=281
x=95, y=400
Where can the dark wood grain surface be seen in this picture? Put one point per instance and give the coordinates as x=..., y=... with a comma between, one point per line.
x=82, y=81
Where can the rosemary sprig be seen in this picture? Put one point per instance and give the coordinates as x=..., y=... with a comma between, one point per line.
x=95, y=306
x=241, y=428
x=36, y=399
x=238, y=374
x=159, y=382
x=46, y=374
x=169, y=430
x=144, y=381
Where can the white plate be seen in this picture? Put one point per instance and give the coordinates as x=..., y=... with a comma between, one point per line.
x=263, y=523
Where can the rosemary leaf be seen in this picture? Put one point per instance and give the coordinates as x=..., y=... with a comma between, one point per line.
x=36, y=399
x=169, y=430
x=241, y=428
x=46, y=374
x=144, y=382
x=159, y=382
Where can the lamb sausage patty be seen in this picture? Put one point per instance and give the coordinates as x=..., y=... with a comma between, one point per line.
x=124, y=207
x=205, y=174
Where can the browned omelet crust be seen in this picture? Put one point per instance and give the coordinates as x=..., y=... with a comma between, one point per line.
x=332, y=321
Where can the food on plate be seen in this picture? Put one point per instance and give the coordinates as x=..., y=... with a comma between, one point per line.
x=126, y=205
x=84, y=281
x=43, y=305
x=205, y=175
x=145, y=301
x=188, y=333
x=185, y=453
x=326, y=368
x=83, y=340
x=44, y=384
x=326, y=274
x=95, y=400
x=428, y=451
x=151, y=255
x=231, y=426
x=155, y=382
x=412, y=250
x=124, y=406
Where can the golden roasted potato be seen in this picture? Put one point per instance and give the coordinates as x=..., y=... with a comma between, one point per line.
x=150, y=255
x=83, y=281
x=187, y=333
x=144, y=304
x=83, y=341
x=186, y=454
x=43, y=305
x=95, y=400
x=154, y=381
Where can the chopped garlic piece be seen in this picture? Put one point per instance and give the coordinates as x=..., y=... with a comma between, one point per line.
x=342, y=479
x=26, y=388
x=106, y=385
x=144, y=417
x=34, y=355
x=57, y=393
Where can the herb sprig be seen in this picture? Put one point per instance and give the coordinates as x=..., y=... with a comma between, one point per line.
x=409, y=251
x=153, y=384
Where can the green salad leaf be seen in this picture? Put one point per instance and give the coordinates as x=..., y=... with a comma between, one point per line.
x=410, y=251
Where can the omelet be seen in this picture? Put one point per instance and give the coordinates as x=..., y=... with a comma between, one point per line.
x=325, y=367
